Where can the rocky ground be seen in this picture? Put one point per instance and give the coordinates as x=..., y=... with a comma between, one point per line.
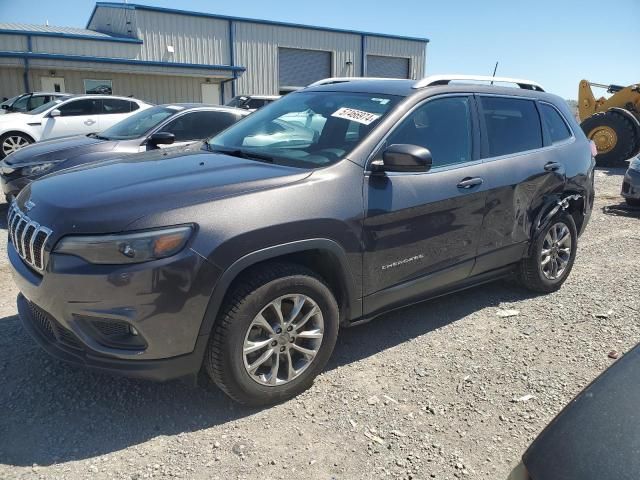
x=452, y=388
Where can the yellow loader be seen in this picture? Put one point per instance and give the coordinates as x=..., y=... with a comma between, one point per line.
x=612, y=123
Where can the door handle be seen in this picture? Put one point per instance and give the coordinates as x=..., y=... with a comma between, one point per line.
x=89, y=122
x=552, y=166
x=468, y=182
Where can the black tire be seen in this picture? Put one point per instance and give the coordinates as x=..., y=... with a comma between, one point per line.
x=530, y=271
x=12, y=135
x=633, y=202
x=626, y=133
x=224, y=359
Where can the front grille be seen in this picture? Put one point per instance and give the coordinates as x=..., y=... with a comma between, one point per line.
x=28, y=238
x=51, y=329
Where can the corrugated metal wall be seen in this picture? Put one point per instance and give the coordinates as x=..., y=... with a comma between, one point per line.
x=257, y=50
x=151, y=88
x=195, y=39
x=415, y=51
x=119, y=21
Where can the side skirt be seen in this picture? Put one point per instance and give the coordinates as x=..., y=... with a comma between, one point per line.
x=469, y=282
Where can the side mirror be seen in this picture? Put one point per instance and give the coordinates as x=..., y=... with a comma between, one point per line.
x=55, y=113
x=404, y=158
x=161, y=138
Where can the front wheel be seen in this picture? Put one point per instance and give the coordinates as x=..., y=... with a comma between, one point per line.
x=552, y=255
x=12, y=142
x=276, y=333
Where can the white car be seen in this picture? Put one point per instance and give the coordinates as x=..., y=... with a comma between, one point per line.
x=77, y=115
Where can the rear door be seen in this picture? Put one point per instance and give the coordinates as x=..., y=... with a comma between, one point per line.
x=422, y=229
x=522, y=174
x=77, y=117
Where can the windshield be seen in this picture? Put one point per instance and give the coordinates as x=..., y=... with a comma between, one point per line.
x=140, y=123
x=43, y=108
x=306, y=129
x=11, y=100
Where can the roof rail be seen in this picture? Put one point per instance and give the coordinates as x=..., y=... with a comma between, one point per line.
x=446, y=79
x=328, y=81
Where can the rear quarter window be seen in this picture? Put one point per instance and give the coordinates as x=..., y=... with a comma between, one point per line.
x=554, y=123
x=512, y=124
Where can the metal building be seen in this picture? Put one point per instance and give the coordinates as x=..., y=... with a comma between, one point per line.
x=164, y=55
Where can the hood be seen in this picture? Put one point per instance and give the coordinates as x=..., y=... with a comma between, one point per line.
x=63, y=148
x=107, y=196
x=597, y=436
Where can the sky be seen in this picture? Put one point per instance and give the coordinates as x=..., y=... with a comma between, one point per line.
x=554, y=42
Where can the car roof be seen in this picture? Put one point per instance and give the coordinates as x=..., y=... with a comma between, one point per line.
x=406, y=88
x=207, y=106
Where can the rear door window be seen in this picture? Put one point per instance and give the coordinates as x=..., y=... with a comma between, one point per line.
x=113, y=106
x=512, y=124
x=554, y=123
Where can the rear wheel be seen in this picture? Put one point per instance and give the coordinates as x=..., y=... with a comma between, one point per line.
x=615, y=136
x=552, y=255
x=12, y=142
x=275, y=334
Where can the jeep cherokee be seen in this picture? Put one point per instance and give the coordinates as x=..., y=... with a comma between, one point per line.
x=339, y=202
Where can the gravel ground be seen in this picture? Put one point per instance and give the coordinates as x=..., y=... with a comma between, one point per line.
x=447, y=389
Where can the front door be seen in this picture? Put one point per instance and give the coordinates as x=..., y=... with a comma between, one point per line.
x=52, y=84
x=77, y=117
x=211, y=93
x=421, y=229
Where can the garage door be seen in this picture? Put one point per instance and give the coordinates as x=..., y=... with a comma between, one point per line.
x=299, y=68
x=387, y=67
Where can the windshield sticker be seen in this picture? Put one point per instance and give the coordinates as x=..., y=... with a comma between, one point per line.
x=359, y=116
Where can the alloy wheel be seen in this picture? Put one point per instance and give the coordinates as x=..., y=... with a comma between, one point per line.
x=13, y=143
x=283, y=340
x=556, y=251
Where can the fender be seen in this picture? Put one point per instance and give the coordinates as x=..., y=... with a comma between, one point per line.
x=547, y=212
x=352, y=301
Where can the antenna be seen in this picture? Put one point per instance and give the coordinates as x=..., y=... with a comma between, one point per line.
x=495, y=69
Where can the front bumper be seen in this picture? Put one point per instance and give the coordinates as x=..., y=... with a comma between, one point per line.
x=163, y=301
x=631, y=184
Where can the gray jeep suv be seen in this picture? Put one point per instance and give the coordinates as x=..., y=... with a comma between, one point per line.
x=244, y=259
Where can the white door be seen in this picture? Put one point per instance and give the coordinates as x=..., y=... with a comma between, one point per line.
x=211, y=93
x=52, y=84
x=77, y=117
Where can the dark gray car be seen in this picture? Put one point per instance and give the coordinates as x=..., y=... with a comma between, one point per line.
x=631, y=183
x=160, y=126
x=244, y=259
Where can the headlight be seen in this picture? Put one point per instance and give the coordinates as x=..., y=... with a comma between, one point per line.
x=37, y=169
x=134, y=247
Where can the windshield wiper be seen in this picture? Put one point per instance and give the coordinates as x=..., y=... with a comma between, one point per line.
x=243, y=154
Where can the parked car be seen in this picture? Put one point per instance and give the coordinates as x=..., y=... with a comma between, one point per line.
x=148, y=129
x=244, y=260
x=252, y=102
x=29, y=101
x=596, y=436
x=631, y=183
x=74, y=115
